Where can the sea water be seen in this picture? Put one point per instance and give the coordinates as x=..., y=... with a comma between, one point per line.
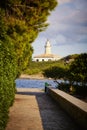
x=33, y=83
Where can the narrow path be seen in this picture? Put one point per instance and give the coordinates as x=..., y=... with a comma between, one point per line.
x=34, y=110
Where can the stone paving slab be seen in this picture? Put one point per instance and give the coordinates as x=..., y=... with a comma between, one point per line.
x=34, y=110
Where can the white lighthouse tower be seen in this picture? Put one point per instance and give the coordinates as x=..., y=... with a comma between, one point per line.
x=48, y=47
x=47, y=56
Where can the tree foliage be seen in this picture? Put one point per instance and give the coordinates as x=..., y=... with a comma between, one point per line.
x=55, y=72
x=75, y=73
x=78, y=69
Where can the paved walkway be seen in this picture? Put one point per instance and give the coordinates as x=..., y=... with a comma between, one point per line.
x=34, y=110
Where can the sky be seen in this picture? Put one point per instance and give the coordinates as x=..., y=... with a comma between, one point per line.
x=67, y=30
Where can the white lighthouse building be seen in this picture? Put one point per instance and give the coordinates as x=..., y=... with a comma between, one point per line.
x=48, y=48
x=47, y=56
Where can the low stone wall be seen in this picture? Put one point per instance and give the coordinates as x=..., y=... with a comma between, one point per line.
x=74, y=107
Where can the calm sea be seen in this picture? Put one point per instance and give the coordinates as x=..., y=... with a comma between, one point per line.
x=33, y=83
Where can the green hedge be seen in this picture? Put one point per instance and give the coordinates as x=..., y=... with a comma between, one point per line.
x=8, y=71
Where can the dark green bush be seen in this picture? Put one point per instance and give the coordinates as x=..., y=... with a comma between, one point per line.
x=74, y=89
x=65, y=87
x=80, y=90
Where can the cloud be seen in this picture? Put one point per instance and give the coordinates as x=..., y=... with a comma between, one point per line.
x=80, y=4
x=60, y=39
x=63, y=1
x=69, y=19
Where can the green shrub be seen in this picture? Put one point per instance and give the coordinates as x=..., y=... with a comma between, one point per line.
x=33, y=71
x=80, y=90
x=65, y=87
x=74, y=89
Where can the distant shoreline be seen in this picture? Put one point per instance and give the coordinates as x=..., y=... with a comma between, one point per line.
x=37, y=76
